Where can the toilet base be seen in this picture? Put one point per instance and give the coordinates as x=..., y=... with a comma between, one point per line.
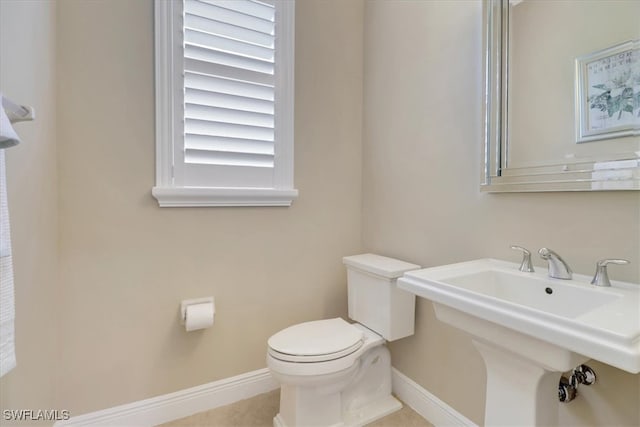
x=373, y=411
x=359, y=395
x=368, y=414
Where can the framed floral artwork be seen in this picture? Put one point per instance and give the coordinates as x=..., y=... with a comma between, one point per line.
x=608, y=93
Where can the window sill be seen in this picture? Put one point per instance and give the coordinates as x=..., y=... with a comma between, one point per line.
x=221, y=197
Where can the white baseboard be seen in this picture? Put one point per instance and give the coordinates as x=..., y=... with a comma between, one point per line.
x=183, y=403
x=426, y=404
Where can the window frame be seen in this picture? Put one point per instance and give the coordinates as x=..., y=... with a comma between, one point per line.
x=169, y=117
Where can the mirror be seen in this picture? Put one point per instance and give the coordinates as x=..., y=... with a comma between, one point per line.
x=562, y=95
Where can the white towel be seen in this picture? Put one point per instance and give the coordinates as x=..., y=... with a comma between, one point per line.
x=7, y=309
x=8, y=136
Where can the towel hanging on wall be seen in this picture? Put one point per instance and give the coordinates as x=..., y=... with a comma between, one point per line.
x=7, y=308
x=8, y=138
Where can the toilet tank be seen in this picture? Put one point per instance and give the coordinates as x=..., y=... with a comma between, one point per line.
x=375, y=300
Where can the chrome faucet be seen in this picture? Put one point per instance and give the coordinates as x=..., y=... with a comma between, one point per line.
x=558, y=268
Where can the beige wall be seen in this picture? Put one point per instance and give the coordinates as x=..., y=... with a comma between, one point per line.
x=106, y=332
x=421, y=169
x=27, y=76
x=124, y=263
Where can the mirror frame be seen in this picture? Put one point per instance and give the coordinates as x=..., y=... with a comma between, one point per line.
x=619, y=171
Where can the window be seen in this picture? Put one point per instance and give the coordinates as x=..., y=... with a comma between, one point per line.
x=224, y=103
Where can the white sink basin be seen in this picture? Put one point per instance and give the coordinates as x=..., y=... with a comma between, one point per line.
x=596, y=322
x=566, y=300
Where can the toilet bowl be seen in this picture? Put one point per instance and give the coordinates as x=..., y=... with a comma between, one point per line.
x=336, y=373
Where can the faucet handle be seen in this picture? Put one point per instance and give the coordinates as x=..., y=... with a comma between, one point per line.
x=525, y=265
x=601, y=277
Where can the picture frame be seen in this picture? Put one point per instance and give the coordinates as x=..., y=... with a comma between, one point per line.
x=608, y=93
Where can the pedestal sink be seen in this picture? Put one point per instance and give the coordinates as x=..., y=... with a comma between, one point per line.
x=530, y=328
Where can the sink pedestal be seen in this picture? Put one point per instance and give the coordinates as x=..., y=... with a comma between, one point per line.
x=518, y=391
x=522, y=371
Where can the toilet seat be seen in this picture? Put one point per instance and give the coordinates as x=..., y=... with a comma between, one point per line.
x=316, y=341
x=310, y=366
x=317, y=358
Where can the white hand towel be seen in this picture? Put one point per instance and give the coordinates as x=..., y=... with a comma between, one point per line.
x=7, y=309
x=8, y=136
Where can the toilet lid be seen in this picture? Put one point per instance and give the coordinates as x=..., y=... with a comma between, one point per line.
x=328, y=339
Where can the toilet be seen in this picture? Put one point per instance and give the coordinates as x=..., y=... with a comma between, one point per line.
x=336, y=373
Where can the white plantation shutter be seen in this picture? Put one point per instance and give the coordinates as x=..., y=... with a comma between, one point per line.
x=229, y=83
x=231, y=97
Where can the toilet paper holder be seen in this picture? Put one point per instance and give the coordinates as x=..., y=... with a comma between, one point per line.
x=187, y=302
